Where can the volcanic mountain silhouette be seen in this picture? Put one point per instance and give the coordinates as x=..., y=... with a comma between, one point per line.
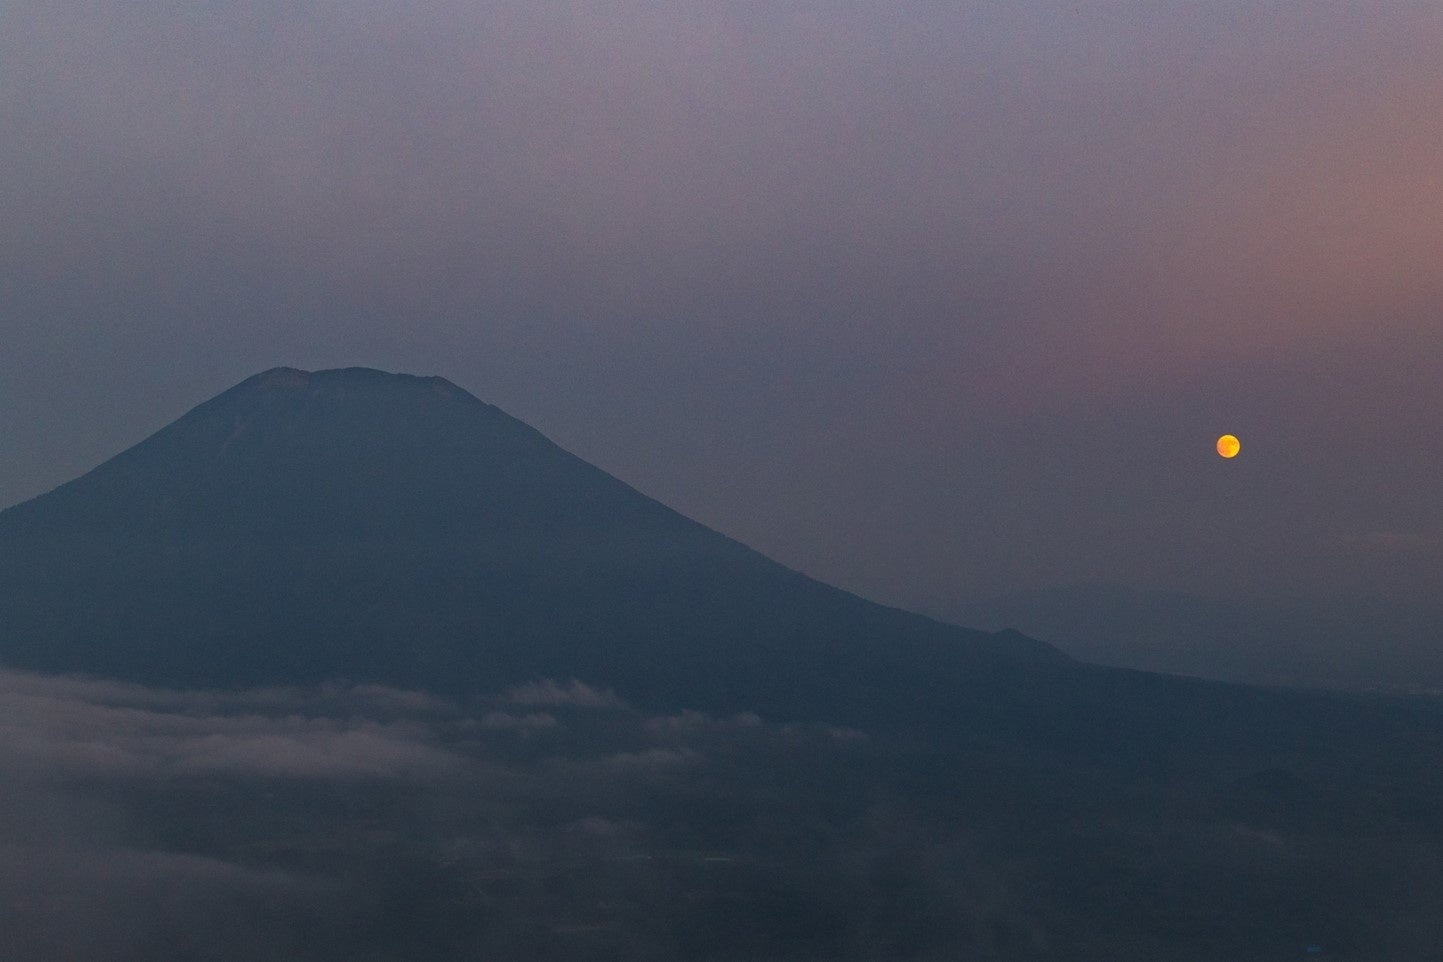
x=386, y=528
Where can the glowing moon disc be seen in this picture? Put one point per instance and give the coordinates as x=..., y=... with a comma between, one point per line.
x=1229, y=446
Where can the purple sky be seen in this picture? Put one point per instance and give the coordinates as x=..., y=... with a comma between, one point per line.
x=929, y=300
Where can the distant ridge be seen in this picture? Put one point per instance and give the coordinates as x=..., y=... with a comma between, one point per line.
x=352, y=523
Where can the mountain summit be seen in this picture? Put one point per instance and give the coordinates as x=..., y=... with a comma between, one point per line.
x=304, y=526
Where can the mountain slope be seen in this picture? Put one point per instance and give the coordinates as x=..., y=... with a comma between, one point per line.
x=306, y=526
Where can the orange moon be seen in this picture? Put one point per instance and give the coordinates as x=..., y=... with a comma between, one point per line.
x=1229, y=446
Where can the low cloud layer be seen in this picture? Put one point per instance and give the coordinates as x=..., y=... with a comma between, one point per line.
x=552, y=821
x=279, y=822
x=83, y=728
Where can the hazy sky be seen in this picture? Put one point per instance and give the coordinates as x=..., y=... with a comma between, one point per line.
x=930, y=300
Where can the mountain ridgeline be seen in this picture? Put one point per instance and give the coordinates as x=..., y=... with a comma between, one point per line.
x=385, y=528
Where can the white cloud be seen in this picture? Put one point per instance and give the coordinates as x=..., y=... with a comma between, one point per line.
x=573, y=693
x=81, y=726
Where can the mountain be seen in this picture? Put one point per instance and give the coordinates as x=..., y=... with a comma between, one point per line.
x=386, y=528
x=1336, y=641
x=901, y=788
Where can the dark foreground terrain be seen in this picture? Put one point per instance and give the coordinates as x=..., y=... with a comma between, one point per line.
x=352, y=666
x=555, y=821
